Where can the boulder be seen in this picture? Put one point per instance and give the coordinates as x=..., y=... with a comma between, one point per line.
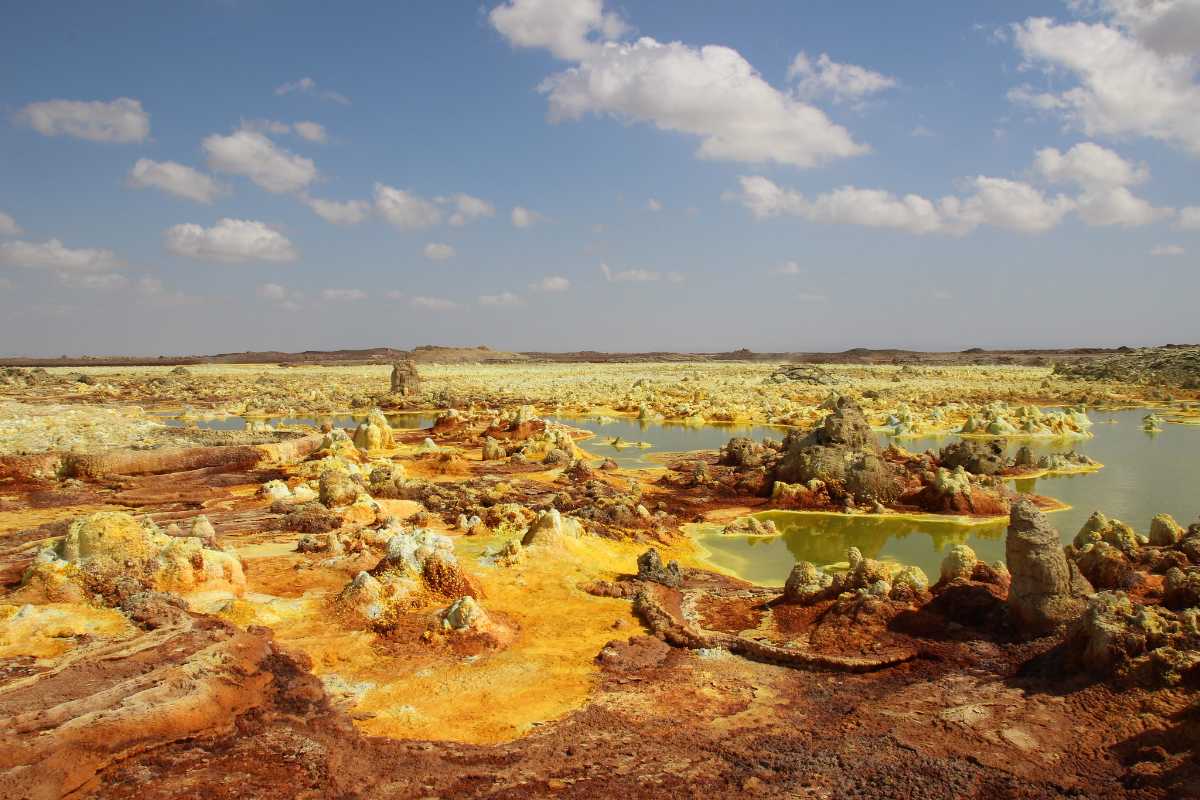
x=651, y=568
x=337, y=488
x=1105, y=566
x=1047, y=591
x=806, y=584
x=959, y=562
x=551, y=528
x=1165, y=531
x=1181, y=588
x=405, y=380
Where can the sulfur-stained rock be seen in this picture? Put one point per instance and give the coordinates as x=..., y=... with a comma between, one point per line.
x=1181, y=588
x=1139, y=644
x=551, y=528
x=959, y=562
x=652, y=568
x=1047, y=590
x=1165, y=531
x=1105, y=566
x=337, y=488
x=1100, y=528
x=405, y=380
x=493, y=450
x=806, y=584
x=751, y=526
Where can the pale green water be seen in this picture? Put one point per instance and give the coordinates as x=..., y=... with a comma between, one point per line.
x=1144, y=474
x=666, y=437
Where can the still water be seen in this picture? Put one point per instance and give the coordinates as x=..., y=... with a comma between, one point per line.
x=1144, y=474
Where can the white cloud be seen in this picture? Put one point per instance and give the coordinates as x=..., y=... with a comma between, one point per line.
x=343, y=295
x=177, y=179
x=1116, y=205
x=99, y=281
x=467, y=208
x=255, y=156
x=1165, y=26
x=840, y=82
x=312, y=131
x=564, y=27
x=230, y=241
x=282, y=296
x=502, y=299
x=349, y=212
x=653, y=205
x=710, y=92
x=996, y=201
x=433, y=303
x=309, y=86
x=8, y=225
x=550, y=283
x=1087, y=164
x=1103, y=177
x=1189, y=218
x=1122, y=85
x=405, y=210
x=121, y=120
x=631, y=275
x=788, y=268
x=1167, y=250
x=53, y=255
x=523, y=217
x=437, y=251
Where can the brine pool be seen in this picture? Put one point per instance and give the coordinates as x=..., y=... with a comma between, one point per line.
x=1144, y=474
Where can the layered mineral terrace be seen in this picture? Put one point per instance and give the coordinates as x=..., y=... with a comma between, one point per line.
x=428, y=580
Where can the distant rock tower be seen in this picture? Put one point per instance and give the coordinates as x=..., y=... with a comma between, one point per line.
x=405, y=380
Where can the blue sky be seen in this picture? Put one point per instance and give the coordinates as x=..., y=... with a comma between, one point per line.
x=982, y=174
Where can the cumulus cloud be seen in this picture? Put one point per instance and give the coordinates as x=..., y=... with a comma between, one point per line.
x=840, y=82
x=996, y=201
x=230, y=241
x=502, y=299
x=638, y=275
x=437, y=251
x=349, y=212
x=404, y=209
x=256, y=157
x=1165, y=26
x=98, y=281
x=281, y=296
x=433, y=303
x=711, y=92
x=309, y=86
x=1189, y=218
x=312, y=131
x=550, y=283
x=53, y=255
x=177, y=179
x=1126, y=73
x=343, y=295
x=8, y=225
x=570, y=29
x=467, y=208
x=120, y=120
x=523, y=217
x=1103, y=177
x=1167, y=250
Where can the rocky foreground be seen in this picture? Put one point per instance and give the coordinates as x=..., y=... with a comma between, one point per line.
x=479, y=609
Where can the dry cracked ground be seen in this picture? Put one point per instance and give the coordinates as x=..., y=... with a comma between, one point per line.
x=264, y=599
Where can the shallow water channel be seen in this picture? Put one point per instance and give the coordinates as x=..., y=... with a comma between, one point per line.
x=1144, y=474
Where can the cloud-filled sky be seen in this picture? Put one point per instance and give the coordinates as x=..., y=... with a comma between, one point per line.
x=578, y=174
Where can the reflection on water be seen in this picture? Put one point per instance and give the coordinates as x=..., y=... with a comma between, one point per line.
x=405, y=419
x=665, y=437
x=1144, y=474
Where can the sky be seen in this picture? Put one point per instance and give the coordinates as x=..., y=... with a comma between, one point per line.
x=229, y=175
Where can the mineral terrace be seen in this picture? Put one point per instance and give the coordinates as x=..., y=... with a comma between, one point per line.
x=424, y=580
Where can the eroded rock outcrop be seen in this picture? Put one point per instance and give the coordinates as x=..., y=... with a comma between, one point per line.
x=1047, y=591
x=405, y=380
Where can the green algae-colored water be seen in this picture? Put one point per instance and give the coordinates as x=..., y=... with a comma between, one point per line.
x=1144, y=474
x=665, y=437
